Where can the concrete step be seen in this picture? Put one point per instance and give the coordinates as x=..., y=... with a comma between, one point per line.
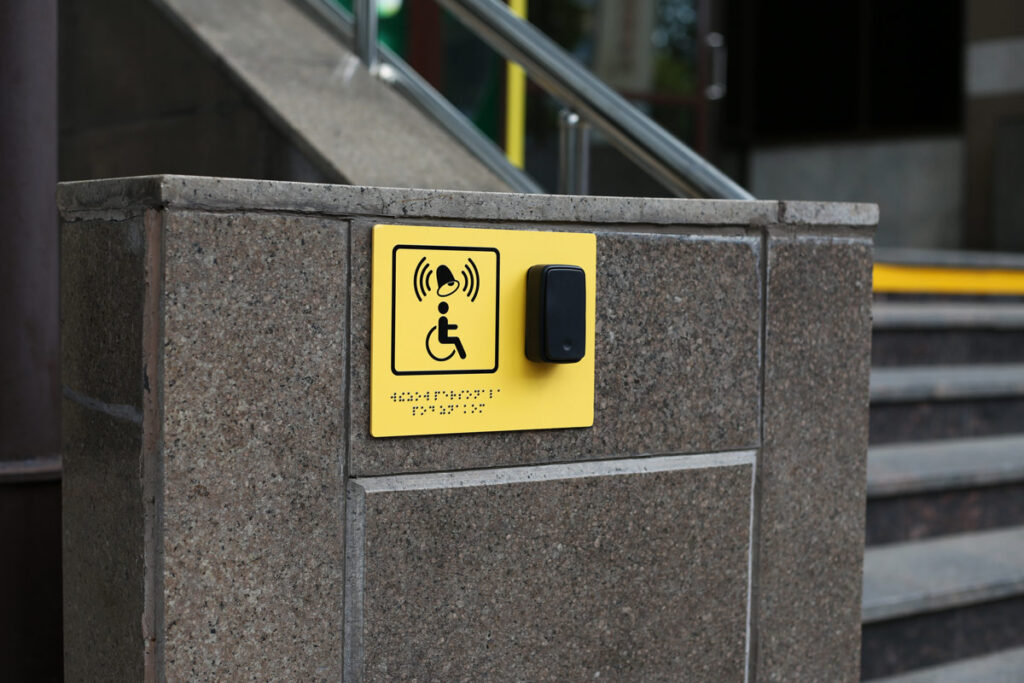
x=946, y=401
x=941, y=332
x=947, y=383
x=901, y=469
x=950, y=258
x=1006, y=666
x=945, y=315
x=906, y=579
x=355, y=127
x=922, y=490
x=931, y=602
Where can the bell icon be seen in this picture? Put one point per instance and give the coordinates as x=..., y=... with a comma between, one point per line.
x=446, y=282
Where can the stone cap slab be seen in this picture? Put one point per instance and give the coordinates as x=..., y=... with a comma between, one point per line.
x=228, y=194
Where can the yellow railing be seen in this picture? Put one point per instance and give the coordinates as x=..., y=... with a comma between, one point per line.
x=515, y=102
x=914, y=279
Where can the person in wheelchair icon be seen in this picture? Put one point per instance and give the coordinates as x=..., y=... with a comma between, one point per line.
x=443, y=329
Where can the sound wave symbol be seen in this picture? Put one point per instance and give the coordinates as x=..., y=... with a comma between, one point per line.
x=470, y=277
x=421, y=279
x=471, y=280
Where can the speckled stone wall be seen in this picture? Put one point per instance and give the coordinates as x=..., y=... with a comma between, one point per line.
x=253, y=374
x=812, y=464
x=229, y=516
x=618, y=570
x=102, y=301
x=677, y=325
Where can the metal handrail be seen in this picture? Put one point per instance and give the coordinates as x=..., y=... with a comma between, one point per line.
x=636, y=135
x=393, y=69
x=649, y=145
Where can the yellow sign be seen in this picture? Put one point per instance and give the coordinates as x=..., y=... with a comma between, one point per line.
x=448, y=332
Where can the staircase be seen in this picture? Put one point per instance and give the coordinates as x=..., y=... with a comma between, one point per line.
x=944, y=565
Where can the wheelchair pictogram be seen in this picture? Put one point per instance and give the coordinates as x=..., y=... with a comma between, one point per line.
x=444, y=336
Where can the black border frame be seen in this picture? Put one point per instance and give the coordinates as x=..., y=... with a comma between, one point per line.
x=497, y=308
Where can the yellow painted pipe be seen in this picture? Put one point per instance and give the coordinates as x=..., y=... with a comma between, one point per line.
x=515, y=101
x=941, y=280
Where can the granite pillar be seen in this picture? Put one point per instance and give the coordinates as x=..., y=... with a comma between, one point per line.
x=229, y=514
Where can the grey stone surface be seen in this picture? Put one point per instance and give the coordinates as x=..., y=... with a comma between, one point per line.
x=916, y=181
x=812, y=466
x=677, y=326
x=587, y=559
x=891, y=315
x=572, y=572
x=230, y=141
x=137, y=97
x=229, y=194
x=1007, y=200
x=1006, y=666
x=102, y=289
x=103, y=546
x=96, y=37
x=904, y=579
x=940, y=512
x=104, y=509
x=253, y=381
x=932, y=420
x=946, y=382
x=936, y=638
x=939, y=465
x=324, y=98
x=827, y=213
x=894, y=347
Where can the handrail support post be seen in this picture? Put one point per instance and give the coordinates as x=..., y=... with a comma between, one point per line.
x=364, y=13
x=573, y=153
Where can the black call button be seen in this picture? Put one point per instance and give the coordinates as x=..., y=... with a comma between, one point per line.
x=556, y=314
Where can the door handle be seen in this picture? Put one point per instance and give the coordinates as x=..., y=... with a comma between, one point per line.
x=719, y=57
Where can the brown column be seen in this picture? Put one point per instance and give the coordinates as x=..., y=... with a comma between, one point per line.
x=30, y=597
x=28, y=229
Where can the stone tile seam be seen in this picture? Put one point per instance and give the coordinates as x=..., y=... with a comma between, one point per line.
x=354, y=583
x=118, y=411
x=552, y=472
x=751, y=557
x=710, y=232
x=133, y=210
x=154, y=628
x=825, y=235
x=850, y=232
x=683, y=227
x=735, y=231
x=743, y=230
x=654, y=224
x=713, y=232
x=753, y=571
x=353, y=558
x=107, y=215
